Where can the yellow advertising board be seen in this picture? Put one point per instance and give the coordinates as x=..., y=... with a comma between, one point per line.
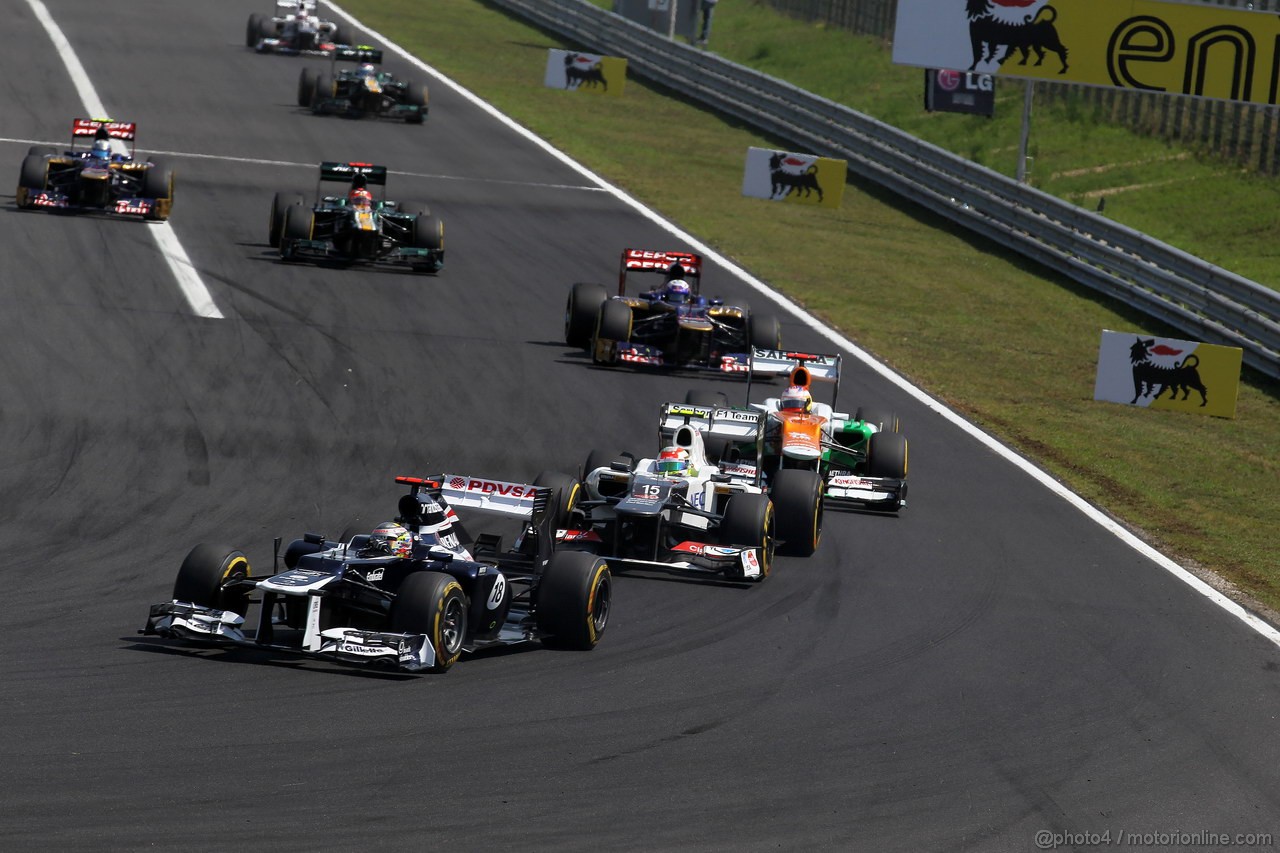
x=1149, y=45
x=1167, y=373
x=585, y=72
x=796, y=178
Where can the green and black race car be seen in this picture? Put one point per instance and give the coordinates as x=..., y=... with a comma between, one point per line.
x=356, y=227
x=362, y=91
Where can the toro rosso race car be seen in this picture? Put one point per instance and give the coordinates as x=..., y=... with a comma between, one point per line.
x=678, y=512
x=361, y=91
x=356, y=227
x=412, y=594
x=293, y=28
x=860, y=460
x=671, y=325
x=103, y=176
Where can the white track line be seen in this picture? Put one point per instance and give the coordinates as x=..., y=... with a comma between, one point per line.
x=193, y=288
x=1263, y=627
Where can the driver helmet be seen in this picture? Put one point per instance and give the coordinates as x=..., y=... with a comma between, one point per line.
x=368, y=70
x=796, y=399
x=360, y=199
x=385, y=534
x=677, y=291
x=101, y=150
x=402, y=545
x=673, y=462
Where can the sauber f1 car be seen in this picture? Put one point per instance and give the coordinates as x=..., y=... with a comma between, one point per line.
x=412, y=595
x=356, y=227
x=361, y=91
x=672, y=325
x=862, y=460
x=104, y=176
x=294, y=28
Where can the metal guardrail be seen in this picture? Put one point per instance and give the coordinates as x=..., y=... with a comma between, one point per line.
x=1204, y=301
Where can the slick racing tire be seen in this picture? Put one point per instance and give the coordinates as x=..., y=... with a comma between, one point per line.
x=297, y=226
x=765, y=331
x=434, y=604
x=580, y=311
x=337, y=36
x=415, y=95
x=322, y=91
x=253, y=30
x=748, y=522
x=695, y=397
x=32, y=177
x=157, y=183
x=613, y=323
x=604, y=458
x=306, y=87
x=567, y=491
x=797, y=500
x=41, y=151
x=280, y=205
x=574, y=597
x=887, y=455
x=203, y=573
x=428, y=232
x=884, y=421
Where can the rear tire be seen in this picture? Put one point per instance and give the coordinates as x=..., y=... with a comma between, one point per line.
x=887, y=455
x=884, y=421
x=306, y=87
x=280, y=205
x=205, y=570
x=157, y=183
x=580, y=312
x=765, y=332
x=569, y=491
x=613, y=323
x=575, y=595
x=797, y=498
x=434, y=604
x=706, y=398
x=600, y=459
x=748, y=522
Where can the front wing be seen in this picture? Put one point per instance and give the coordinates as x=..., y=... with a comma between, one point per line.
x=54, y=200
x=882, y=492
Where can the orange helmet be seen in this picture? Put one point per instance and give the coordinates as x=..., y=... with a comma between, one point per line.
x=673, y=462
x=796, y=399
x=360, y=198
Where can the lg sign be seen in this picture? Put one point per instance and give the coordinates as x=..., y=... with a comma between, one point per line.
x=959, y=92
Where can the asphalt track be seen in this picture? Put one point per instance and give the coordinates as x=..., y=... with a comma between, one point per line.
x=988, y=665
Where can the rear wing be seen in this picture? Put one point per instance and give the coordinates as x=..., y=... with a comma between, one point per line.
x=83, y=127
x=740, y=430
x=800, y=368
x=356, y=53
x=649, y=260
x=345, y=172
x=516, y=499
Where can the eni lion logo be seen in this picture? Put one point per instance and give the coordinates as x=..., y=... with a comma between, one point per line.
x=996, y=33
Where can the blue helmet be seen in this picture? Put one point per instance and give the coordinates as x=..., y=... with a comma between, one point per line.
x=101, y=150
x=677, y=291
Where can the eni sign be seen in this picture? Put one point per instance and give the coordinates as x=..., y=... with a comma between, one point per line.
x=1180, y=48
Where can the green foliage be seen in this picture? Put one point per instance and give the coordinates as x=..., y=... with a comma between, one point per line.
x=986, y=331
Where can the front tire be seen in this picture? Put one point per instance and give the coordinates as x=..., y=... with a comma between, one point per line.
x=613, y=323
x=766, y=332
x=280, y=205
x=297, y=226
x=887, y=455
x=306, y=87
x=434, y=604
x=580, y=312
x=204, y=572
x=749, y=523
x=253, y=30
x=157, y=184
x=797, y=498
x=31, y=178
x=575, y=595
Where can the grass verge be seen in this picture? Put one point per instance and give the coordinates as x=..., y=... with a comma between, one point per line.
x=982, y=329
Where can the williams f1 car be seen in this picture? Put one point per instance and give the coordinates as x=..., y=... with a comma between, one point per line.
x=861, y=459
x=293, y=28
x=361, y=91
x=356, y=227
x=103, y=176
x=413, y=594
x=672, y=325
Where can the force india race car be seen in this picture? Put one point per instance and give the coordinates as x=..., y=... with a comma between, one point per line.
x=356, y=227
x=862, y=460
x=414, y=594
x=294, y=28
x=361, y=91
x=99, y=177
x=672, y=325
